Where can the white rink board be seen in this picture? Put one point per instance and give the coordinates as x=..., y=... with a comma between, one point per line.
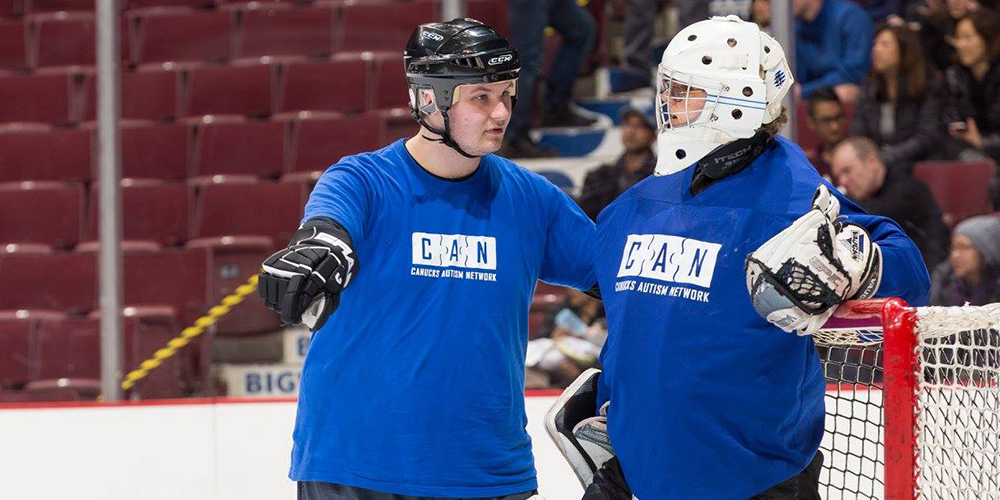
x=197, y=450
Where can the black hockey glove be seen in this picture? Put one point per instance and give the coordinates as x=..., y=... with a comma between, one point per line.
x=303, y=282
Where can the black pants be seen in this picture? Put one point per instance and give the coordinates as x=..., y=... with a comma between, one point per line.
x=609, y=484
x=311, y=490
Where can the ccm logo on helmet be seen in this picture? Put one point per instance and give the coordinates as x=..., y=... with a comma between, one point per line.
x=500, y=59
x=432, y=36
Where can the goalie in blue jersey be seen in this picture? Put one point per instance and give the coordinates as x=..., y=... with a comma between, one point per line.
x=714, y=273
x=428, y=250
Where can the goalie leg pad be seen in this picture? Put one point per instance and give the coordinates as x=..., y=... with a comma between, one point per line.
x=579, y=435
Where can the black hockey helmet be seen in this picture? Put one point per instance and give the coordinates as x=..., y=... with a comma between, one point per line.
x=441, y=56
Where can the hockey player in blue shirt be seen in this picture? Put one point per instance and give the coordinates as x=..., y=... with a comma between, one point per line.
x=714, y=273
x=429, y=250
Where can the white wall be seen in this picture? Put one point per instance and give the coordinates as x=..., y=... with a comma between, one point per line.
x=194, y=450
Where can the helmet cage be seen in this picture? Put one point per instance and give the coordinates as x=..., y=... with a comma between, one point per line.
x=691, y=98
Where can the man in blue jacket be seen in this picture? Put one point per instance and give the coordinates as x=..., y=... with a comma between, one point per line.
x=833, y=45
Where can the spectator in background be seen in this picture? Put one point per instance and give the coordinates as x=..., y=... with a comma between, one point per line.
x=528, y=19
x=879, y=10
x=760, y=13
x=833, y=41
x=640, y=19
x=603, y=184
x=571, y=339
x=972, y=101
x=827, y=119
x=937, y=20
x=972, y=272
x=897, y=108
x=864, y=178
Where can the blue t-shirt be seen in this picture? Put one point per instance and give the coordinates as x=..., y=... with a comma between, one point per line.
x=415, y=385
x=709, y=401
x=833, y=48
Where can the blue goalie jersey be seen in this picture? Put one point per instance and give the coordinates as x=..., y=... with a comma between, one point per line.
x=709, y=401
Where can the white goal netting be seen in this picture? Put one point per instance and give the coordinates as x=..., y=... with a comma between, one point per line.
x=952, y=397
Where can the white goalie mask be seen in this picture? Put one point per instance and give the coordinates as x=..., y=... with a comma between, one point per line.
x=720, y=80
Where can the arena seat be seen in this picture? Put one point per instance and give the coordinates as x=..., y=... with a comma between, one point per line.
x=399, y=124
x=40, y=98
x=155, y=151
x=64, y=39
x=13, y=48
x=340, y=84
x=17, y=356
x=229, y=90
x=383, y=26
x=275, y=29
x=75, y=273
x=42, y=212
x=390, y=89
x=69, y=348
x=240, y=147
x=961, y=188
x=178, y=34
x=240, y=235
x=236, y=209
x=144, y=4
x=11, y=8
x=62, y=5
x=36, y=152
x=148, y=93
x=152, y=210
x=313, y=148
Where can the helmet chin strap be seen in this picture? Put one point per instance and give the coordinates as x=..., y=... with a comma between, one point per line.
x=445, y=134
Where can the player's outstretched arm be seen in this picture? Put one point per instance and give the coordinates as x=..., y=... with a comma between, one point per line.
x=303, y=282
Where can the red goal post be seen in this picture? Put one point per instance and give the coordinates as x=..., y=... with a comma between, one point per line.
x=913, y=401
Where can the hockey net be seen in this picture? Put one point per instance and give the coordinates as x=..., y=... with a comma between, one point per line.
x=913, y=402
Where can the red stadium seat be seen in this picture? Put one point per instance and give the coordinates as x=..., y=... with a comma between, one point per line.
x=17, y=353
x=149, y=93
x=60, y=281
x=152, y=210
x=276, y=29
x=148, y=329
x=47, y=213
x=62, y=5
x=240, y=147
x=390, y=86
x=961, y=188
x=399, y=124
x=177, y=34
x=64, y=39
x=383, y=26
x=230, y=90
x=40, y=98
x=155, y=151
x=69, y=348
x=234, y=209
x=40, y=153
x=10, y=8
x=338, y=85
x=13, y=37
x=142, y=4
x=321, y=141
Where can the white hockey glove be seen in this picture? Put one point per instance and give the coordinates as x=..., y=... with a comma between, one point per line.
x=581, y=436
x=798, y=278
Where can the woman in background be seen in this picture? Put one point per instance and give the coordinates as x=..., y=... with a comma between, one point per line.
x=972, y=272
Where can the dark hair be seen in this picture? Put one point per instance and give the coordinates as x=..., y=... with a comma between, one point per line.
x=914, y=71
x=822, y=94
x=987, y=25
